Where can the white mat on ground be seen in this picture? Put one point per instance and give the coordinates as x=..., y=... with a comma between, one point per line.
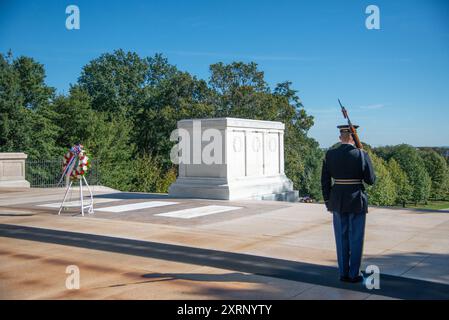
x=136, y=206
x=197, y=212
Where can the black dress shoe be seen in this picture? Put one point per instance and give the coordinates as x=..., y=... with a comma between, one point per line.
x=345, y=279
x=356, y=279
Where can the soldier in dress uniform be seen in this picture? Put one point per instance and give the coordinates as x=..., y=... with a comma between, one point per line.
x=345, y=168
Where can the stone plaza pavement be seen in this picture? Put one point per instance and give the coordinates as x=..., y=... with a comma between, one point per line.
x=149, y=246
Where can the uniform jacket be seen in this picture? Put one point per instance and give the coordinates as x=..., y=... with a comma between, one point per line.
x=346, y=162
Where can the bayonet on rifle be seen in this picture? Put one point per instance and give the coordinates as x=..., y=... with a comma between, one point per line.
x=357, y=142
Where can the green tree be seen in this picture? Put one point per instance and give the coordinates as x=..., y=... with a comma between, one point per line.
x=31, y=76
x=383, y=192
x=403, y=188
x=74, y=116
x=412, y=164
x=115, y=81
x=14, y=118
x=303, y=156
x=149, y=175
x=235, y=86
x=25, y=114
x=385, y=152
x=169, y=97
x=437, y=169
x=112, y=146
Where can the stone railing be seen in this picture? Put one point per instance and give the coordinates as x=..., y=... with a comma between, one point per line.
x=12, y=170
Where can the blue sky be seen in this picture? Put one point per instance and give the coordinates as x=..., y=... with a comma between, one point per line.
x=394, y=81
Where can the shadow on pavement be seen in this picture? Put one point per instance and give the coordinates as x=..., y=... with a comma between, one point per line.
x=391, y=286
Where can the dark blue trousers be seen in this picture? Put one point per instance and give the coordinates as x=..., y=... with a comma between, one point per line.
x=349, y=229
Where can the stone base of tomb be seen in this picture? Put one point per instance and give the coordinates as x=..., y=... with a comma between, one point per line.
x=263, y=188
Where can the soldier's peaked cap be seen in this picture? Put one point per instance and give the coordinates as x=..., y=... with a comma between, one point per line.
x=345, y=127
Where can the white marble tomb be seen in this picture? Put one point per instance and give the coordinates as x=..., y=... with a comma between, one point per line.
x=252, y=166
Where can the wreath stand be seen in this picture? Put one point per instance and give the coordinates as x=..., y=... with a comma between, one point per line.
x=89, y=207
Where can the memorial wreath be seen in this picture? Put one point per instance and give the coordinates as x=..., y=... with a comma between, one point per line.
x=76, y=162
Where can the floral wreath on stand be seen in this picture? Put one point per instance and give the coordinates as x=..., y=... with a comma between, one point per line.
x=78, y=170
x=76, y=164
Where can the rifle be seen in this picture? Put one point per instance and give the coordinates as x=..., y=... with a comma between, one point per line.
x=358, y=144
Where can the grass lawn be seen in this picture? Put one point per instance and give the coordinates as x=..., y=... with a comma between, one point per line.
x=434, y=205
x=431, y=205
